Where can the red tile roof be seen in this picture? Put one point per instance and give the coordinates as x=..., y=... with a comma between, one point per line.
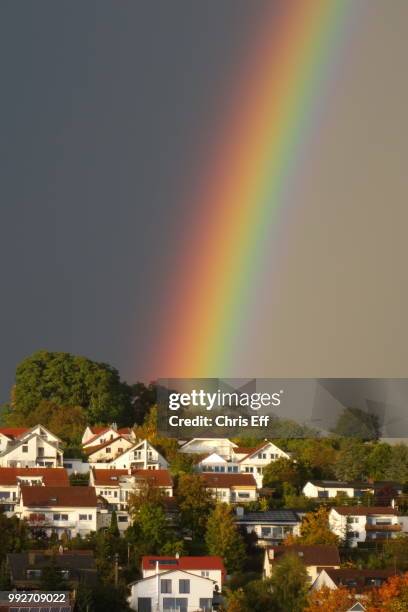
x=184, y=563
x=157, y=478
x=69, y=497
x=358, y=579
x=13, y=432
x=310, y=555
x=225, y=481
x=50, y=476
x=364, y=510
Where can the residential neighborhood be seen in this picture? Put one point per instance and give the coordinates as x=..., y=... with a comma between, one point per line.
x=123, y=517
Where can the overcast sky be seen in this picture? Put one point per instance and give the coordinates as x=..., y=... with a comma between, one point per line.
x=106, y=108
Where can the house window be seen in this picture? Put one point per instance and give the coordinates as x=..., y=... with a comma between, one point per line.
x=184, y=586
x=108, y=449
x=323, y=494
x=60, y=517
x=83, y=517
x=175, y=604
x=205, y=573
x=353, y=519
x=25, y=448
x=122, y=519
x=34, y=573
x=205, y=604
x=165, y=586
x=243, y=495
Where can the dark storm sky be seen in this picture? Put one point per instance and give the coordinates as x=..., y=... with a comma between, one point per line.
x=105, y=110
x=109, y=112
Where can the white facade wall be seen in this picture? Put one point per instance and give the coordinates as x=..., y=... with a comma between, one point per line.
x=212, y=574
x=76, y=466
x=79, y=520
x=312, y=490
x=33, y=452
x=353, y=527
x=141, y=456
x=234, y=494
x=110, y=451
x=200, y=588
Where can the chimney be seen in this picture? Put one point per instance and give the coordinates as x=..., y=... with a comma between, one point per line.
x=157, y=586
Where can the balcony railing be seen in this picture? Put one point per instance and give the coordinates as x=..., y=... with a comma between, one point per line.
x=380, y=527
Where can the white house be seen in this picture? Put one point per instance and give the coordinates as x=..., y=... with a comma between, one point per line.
x=363, y=523
x=32, y=450
x=207, y=446
x=44, y=433
x=325, y=489
x=9, y=434
x=69, y=510
x=174, y=590
x=140, y=456
x=115, y=487
x=11, y=480
x=94, y=435
x=231, y=488
x=106, y=451
x=270, y=527
x=257, y=459
x=234, y=459
x=207, y=566
x=314, y=558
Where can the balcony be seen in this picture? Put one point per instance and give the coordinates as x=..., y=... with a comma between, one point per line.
x=382, y=527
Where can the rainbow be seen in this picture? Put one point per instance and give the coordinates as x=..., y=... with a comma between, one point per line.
x=276, y=104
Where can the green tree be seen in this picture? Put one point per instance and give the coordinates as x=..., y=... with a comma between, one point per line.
x=378, y=461
x=69, y=380
x=84, y=599
x=67, y=422
x=357, y=423
x=398, y=466
x=113, y=528
x=195, y=503
x=396, y=552
x=290, y=584
x=51, y=578
x=282, y=471
x=314, y=530
x=223, y=538
x=351, y=461
x=14, y=535
x=149, y=532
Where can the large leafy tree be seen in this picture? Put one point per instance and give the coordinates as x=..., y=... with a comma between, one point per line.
x=223, y=538
x=67, y=422
x=314, y=530
x=290, y=584
x=195, y=503
x=70, y=380
x=351, y=463
x=330, y=600
x=392, y=596
x=282, y=471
